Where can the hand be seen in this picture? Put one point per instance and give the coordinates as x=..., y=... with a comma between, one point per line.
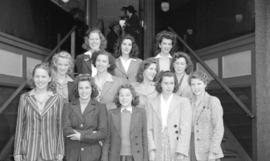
x=180, y=157
x=59, y=157
x=75, y=136
x=152, y=155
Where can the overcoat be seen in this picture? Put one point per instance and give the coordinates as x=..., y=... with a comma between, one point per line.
x=178, y=124
x=138, y=135
x=92, y=124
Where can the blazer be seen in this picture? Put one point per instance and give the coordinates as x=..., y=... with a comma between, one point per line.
x=92, y=124
x=184, y=89
x=39, y=134
x=178, y=123
x=83, y=64
x=138, y=135
x=130, y=75
x=109, y=90
x=208, y=128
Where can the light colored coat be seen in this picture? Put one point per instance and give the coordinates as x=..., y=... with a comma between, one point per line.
x=184, y=89
x=208, y=129
x=131, y=73
x=138, y=135
x=178, y=123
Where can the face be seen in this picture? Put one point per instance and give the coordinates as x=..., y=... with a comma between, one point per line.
x=167, y=85
x=102, y=63
x=84, y=90
x=62, y=65
x=150, y=72
x=125, y=97
x=126, y=46
x=197, y=86
x=41, y=78
x=180, y=65
x=94, y=41
x=165, y=45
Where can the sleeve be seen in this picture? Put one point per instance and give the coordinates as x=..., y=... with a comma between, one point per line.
x=67, y=129
x=101, y=132
x=60, y=140
x=185, y=128
x=107, y=142
x=218, y=128
x=19, y=128
x=150, y=128
x=144, y=134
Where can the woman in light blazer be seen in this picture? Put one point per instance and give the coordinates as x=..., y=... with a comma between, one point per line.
x=182, y=66
x=127, y=63
x=208, y=128
x=169, y=119
x=84, y=122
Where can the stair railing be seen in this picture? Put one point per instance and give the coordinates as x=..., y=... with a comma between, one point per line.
x=71, y=34
x=219, y=81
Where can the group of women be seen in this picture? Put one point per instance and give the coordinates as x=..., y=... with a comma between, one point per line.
x=119, y=109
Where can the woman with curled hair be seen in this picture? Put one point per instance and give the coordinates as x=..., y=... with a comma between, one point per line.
x=127, y=63
x=130, y=122
x=94, y=41
x=182, y=66
x=62, y=70
x=106, y=82
x=164, y=48
x=169, y=119
x=207, y=126
x=39, y=134
x=84, y=122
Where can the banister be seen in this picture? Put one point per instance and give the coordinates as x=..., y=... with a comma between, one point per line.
x=219, y=81
x=21, y=87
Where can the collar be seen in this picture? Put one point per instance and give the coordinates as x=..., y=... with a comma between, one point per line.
x=107, y=78
x=127, y=108
x=89, y=52
x=158, y=56
x=130, y=59
x=32, y=93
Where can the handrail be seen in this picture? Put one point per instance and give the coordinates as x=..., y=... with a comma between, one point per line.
x=21, y=87
x=219, y=81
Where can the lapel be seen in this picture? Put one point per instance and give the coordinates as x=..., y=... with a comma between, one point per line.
x=183, y=82
x=131, y=66
x=202, y=106
x=134, y=119
x=156, y=106
x=120, y=66
x=173, y=105
x=76, y=107
x=116, y=118
x=87, y=61
x=90, y=107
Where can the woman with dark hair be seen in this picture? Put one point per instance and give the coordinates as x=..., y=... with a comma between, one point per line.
x=164, y=47
x=39, y=134
x=107, y=83
x=130, y=122
x=94, y=41
x=182, y=66
x=169, y=119
x=62, y=70
x=207, y=127
x=127, y=63
x=84, y=122
x=146, y=77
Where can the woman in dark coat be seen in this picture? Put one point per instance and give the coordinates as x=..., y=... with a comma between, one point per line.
x=85, y=122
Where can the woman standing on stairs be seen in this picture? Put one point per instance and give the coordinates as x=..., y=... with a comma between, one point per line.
x=39, y=134
x=127, y=63
x=62, y=70
x=182, y=66
x=208, y=128
x=95, y=41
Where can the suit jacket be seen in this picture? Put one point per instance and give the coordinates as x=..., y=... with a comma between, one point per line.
x=39, y=134
x=83, y=64
x=138, y=135
x=208, y=128
x=109, y=90
x=130, y=75
x=178, y=124
x=184, y=89
x=92, y=124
